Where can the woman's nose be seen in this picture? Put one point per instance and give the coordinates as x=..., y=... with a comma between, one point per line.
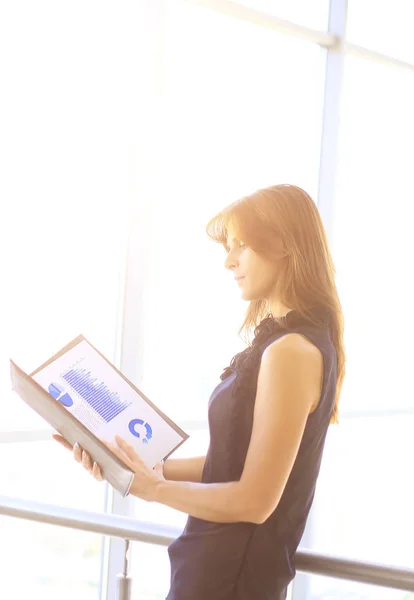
x=231, y=262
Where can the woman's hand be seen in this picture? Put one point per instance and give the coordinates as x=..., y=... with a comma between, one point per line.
x=146, y=480
x=81, y=456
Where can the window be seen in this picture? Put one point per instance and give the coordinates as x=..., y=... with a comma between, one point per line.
x=363, y=504
x=363, y=501
x=238, y=107
x=48, y=562
x=57, y=562
x=371, y=234
x=310, y=14
x=65, y=150
x=384, y=26
x=233, y=119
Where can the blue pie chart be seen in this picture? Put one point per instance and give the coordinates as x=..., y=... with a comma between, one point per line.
x=148, y=430
x=58, y=393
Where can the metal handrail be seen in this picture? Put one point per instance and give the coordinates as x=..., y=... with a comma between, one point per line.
x=140, y=531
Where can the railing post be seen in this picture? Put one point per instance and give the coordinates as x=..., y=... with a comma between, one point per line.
x=124, y=582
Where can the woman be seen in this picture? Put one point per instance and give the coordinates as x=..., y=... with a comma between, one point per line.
x=249, y=498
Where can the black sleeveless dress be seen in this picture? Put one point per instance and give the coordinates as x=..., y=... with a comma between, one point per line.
x=249, y=561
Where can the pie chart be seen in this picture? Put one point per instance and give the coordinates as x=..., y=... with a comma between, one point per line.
x=146, y=430
x=58, y=393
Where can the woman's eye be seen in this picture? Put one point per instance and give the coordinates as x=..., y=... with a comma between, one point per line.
x=238, y=244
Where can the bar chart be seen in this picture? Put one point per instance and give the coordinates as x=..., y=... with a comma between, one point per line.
x=106, y=403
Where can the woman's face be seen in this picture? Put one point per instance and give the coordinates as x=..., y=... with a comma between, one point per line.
x=258, y=275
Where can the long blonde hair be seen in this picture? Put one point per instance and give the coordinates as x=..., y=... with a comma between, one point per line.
x=288, y=212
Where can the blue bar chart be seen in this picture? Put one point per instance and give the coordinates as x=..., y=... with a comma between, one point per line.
x=106, y=403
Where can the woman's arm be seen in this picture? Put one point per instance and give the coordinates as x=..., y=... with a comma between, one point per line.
x=288, y=382
x=184, y=469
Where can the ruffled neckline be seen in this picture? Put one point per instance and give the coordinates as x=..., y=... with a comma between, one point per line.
x=268, y=326
x=247, y=361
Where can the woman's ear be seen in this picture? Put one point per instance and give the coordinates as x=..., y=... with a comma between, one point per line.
x=280, y=249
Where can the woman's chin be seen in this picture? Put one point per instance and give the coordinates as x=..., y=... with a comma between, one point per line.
x=248, y=296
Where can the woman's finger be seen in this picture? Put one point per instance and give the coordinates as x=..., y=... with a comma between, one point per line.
x=129, y=450
x=87, y=461
x=77, y=452
x=81, y=456
x=118, y=452
x=96, y=472
x=121, y=455
x=62, y=441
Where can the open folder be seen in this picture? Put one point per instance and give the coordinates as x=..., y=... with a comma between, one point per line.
x=86, y=399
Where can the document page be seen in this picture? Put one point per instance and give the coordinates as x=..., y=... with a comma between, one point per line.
x=98, y=396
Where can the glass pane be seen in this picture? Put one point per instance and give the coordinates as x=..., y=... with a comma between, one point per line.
x=234, y=119
x=65, y=184
x=46, y=472
x=384, y=26
x=372, y=234
x=150, y=571
x=57, y=562
x=48, y=562
x=314, y=14
x=363, y=504
x=367, y=514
